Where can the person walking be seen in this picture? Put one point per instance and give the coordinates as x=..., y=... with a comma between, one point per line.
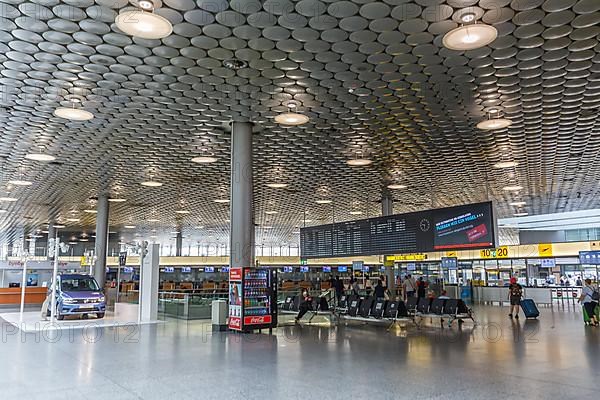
x=421, y=287
x=338, y=285
x=589, y=298
x=515, y=293
x=408, y=287
x=379, y=291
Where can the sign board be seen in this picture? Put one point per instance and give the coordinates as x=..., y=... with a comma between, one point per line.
x=500, y=252
x=449, y=263
x=451, y=254
x=357, y=265
x=407, y=257
x=548, y=262
x=470, y=226
x=545, y=249
x=388, y=263
x=589, y=257
x=411, y=267
x=235, y=299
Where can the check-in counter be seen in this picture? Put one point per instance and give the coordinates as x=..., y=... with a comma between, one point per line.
x=33, y=295
x=491, y=294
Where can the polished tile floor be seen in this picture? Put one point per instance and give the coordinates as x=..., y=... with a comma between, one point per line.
x=556, y=357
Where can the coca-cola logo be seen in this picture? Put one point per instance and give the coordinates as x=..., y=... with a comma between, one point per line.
x=265, y=319
x=235, y=322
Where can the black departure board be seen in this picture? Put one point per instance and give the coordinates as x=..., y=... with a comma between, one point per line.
x=470, y=226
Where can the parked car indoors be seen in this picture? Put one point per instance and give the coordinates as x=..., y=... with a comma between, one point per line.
x=78, y=294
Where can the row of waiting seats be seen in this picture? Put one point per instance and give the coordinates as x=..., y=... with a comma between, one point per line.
x=369, y=308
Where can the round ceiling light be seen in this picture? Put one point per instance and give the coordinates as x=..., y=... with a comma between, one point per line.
x=271, y=212
x=72, y=219
x=144, y=24
x=151, y=184
x=291, y=118
x=323, y=201
x=520, y=214
x=3, y=211
x=359, y=162
x=518, y=203
x=204, y=159
x=356, y=212
x=182, y=211
x=494, y=123
x=505, y=164
x=277, y=185
x=73, y=114
x=90, y=211
x=19, y=182
x=395, y=186
x=470, y=37
x=153, y=220
x=59, y=226
x=222, y=201
x=129, y=227
x=9, y=199
x=40, y=157
x=512, y=188
x=117, y=200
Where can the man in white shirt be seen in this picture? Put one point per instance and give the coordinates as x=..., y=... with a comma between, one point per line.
x=409, y=287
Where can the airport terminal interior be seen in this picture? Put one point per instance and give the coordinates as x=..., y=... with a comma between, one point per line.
x=332, y=199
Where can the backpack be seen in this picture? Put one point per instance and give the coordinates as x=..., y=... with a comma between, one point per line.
x=596, y=295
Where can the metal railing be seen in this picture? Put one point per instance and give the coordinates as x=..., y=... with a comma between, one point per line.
x=188, y=305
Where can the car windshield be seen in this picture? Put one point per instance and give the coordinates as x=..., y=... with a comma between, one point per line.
x=85, y=284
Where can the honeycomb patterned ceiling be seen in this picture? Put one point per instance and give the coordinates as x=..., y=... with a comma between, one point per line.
x=373, y=76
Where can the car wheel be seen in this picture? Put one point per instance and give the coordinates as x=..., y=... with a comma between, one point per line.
x=84, y=316
x=48, y=313
x=60, y=317
x=100, y=315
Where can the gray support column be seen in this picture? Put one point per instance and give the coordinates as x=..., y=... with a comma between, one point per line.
x=149, y=284
x=241, y=236
x=178, y=242
x=387, y=208
x=51, y=235
x=101, y=239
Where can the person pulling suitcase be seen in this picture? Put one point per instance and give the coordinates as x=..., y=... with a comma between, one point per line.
x=515, y=293
x=589, y=298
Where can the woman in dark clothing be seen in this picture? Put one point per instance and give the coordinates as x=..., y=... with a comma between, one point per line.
x=420, y=287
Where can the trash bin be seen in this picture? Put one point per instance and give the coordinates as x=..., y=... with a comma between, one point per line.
x=219, y=315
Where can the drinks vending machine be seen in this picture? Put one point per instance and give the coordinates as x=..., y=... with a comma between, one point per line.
x=252, y=298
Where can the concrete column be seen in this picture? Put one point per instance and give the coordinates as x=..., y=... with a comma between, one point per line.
x=149, y=284
x=102, y=209
x=178, y=242
x=51, y=235
x=387, y=208
x=241, y=236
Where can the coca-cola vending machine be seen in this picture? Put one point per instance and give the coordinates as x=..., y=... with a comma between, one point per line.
x=252, y=298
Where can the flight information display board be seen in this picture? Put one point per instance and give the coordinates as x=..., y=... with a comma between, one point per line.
x=469, y=226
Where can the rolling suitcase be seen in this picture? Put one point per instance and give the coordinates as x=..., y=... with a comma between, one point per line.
x=529, y=308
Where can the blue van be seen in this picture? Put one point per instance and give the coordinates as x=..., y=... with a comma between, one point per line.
x=78, y=294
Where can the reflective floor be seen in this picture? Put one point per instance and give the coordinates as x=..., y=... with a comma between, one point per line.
x=556, y=357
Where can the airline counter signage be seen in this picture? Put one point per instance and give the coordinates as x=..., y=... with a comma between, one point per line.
x=500, y=252
x=407, y=257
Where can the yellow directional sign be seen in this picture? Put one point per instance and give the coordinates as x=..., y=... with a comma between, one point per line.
x=407, y=257
x=545, y=249
x=451, y=254
x=500, y=252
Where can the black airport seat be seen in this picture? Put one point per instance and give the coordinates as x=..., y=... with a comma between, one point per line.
x=402, y=310
x=366, y=305
x=423, y=305
x=378, y=308
x=353, y=306
x=411, y=303
x=343, y=302
x=391, y=309
x=437, y=306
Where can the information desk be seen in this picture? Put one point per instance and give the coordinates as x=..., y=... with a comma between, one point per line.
x=33, y=295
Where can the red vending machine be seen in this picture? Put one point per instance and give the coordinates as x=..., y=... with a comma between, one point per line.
x=252, y=298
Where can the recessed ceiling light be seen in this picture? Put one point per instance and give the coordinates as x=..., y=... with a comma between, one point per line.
x=19, y=182
x=323, y=201
x=277, y=185
x=518, y=203
x=221, y=200
x=175, y=233
x=84, y=240
x=355, y=212
x=73, y=114
x=506, y=164
x=90, y=211
x=73, y=243
x=46, y=232
x=267, y=227
x=512, y=187
x=72, y=219
x=144, y=23
x=151, y=184
x=494, y=123
x=470, y=37
x=153, y=220
x=520, y=214
x=117, y=200
x=11, y=199
x=235, y=64
x=3, y=211
x=182, y=211
x=204, y=159
x=199, y=227
x=359, y=162
x=291, y=118
x=40, y=157
x=129, y=227
x=59, y=226
x=271, y=212
x=153, y=237
x=396, y=186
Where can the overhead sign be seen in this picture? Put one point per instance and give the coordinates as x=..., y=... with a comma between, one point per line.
x=451, y=254
x=589, y=257
x=449, y=263
x=500, y=252
x=407, y=257
x=357, y=265
x=469, y=226
x=548, y=262
x=545, y=249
